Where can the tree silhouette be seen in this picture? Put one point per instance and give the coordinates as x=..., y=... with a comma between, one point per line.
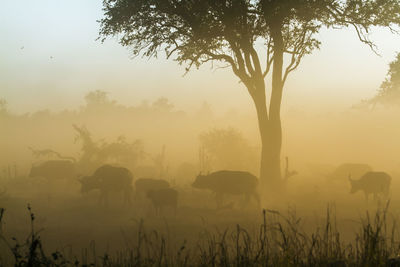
x=101, y=152
x=389, y=92
x=97, y=97
x=194, y=32
x=225, y=149
x=89, y=147
x=163, y=104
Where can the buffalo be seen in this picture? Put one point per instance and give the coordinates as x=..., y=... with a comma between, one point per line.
x=166, y=197
x=343, y=170
x=54, y=169
x=229, y=183
x=376, y=183
x=144, y=185
x=108, y=179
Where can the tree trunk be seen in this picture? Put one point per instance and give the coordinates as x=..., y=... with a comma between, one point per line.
x=271, y=139
x=271, y=159
x=270, y=121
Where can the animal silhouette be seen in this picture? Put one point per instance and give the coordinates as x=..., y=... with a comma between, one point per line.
x=144, y=185
x=343, y=170
x=108, y=179
x=166, y=197
x=229, y=183
x=376, y=183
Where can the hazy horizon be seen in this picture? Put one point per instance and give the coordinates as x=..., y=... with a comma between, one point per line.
x=51, y=59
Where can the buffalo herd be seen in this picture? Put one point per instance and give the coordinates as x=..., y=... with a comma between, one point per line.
x=108, y=178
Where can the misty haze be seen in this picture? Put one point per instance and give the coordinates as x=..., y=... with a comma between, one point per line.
x=200, y=133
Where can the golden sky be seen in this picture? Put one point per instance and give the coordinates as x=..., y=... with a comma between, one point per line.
x=49, y=58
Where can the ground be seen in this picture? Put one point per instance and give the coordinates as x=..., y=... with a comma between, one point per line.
x=77, y=225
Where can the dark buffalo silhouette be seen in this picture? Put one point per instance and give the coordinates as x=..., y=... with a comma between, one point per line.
x=108, y=179
x=54, y=169
x=376, y=183
x=229, y=183
x=355, y=169
x=166, y=197
x=144, y=185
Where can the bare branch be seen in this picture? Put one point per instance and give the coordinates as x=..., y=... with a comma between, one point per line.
x=364, y=39
x=249, y=63
x=270, y=58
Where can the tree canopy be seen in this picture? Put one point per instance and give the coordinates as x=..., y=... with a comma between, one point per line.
x=389, y=92
x=199, y=31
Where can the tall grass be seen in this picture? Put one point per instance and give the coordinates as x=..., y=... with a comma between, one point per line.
x=278, y=241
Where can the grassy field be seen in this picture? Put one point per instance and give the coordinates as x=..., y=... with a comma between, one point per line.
x=317, y=224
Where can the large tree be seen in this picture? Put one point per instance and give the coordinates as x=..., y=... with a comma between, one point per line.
x=194, y=32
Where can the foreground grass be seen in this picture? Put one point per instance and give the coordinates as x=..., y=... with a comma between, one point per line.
x=278, y=241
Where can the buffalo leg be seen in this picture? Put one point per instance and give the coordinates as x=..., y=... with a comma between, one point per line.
x=257, y=199
x=219, y=199
x=128, y=196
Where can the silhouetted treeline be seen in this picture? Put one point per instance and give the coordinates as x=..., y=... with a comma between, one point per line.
x=154, y=134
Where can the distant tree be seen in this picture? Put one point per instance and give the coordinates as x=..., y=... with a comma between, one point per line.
x=121, y=152
x=389, y=92
x=97, y=98
x=198, y=31
x=227, y=149
x=163, y=104
x=100, y=152
x=89, y=147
